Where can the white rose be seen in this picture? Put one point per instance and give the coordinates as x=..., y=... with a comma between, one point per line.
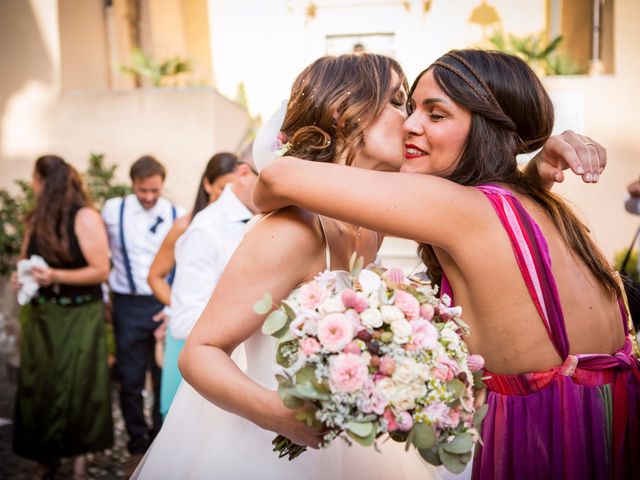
x=369, y=281
x=406, y=370
x=423, y=372
x=332, y=305
x=450, y=338
x=374, y=300
x=386, y=388
x=417, y=389
x=391, y=313
x=402, y=330
x=371, y=318
x=403, y=399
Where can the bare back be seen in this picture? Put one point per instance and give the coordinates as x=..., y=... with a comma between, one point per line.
x=506, y=326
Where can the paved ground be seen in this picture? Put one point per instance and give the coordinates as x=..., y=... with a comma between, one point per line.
x=107, y=465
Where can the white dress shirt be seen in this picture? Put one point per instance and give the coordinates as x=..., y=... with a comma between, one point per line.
x=202, y=252
x=141, y=242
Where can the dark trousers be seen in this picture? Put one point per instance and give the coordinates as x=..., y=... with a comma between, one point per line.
x=133, y=327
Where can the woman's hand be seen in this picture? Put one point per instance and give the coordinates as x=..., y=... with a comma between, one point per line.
x=15, y=284
x=45, y=276
x=583, y=155
x=283, y=421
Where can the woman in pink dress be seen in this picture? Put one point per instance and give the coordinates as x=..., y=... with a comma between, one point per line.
x=543, y=304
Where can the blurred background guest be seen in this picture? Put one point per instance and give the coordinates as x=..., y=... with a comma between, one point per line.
x=63, y=405
x=218, y=172
x=136, y=226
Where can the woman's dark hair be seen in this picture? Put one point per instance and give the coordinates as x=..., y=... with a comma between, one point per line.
x=333, y=100
x=62, y=191
x=511, y=113
x=220, y=164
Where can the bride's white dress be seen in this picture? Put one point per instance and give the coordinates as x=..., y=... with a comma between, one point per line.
x=198, y=440
x=201, y=441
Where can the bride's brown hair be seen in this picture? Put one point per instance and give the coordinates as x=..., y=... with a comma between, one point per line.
x=333, y=100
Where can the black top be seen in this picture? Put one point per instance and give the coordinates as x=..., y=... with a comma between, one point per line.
x=62, y=293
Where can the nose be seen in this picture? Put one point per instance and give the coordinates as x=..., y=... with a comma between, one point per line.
x=412, y=125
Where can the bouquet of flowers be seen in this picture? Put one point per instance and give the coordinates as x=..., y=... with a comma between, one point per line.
x=370, y=353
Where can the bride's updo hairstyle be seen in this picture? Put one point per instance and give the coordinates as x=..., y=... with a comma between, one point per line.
x=511, y=113
x=333, y=100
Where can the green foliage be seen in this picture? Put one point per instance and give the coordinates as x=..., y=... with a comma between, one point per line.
x=13, y=210
x=144, y=66
x=544, y=58
x=631, y=268
x=14, y=207
x=99, y=181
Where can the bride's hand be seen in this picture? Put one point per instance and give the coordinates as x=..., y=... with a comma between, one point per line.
x=284, y=422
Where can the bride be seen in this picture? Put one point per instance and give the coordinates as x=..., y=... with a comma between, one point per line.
x=347, y=109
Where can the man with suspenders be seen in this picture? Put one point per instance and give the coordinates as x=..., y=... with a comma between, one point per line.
x=136, y=225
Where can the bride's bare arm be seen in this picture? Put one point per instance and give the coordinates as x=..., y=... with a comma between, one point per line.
x=275, y=256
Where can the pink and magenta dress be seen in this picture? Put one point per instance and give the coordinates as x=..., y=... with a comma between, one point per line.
x=579, y=420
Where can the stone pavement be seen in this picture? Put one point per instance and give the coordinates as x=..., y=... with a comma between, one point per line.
x=106, y=465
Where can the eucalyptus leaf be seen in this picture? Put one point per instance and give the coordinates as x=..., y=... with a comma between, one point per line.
x=456, y=387
x=262, y=306
x=362, y=430
x=309, y=392
x=423, y=436
x=451, y=462
x=281, y=359
x=274, y=322
x=365, y=441
x=480, y=414
x=291, y=314
x=292, y=402
x=306, y=375
x=284, y=334
x=431, y=456
x=462, y=443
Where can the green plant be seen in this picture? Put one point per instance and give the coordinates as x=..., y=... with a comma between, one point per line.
x=99, y=181
x=144, y=66
x=543, y=57
x=631, y=269
x=13, y=208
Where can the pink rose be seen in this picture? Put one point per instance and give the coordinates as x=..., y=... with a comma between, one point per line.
x=306, y=323
x=427, y=311
x=309, y=346
x=447, y=370
x=352, y=347
x=395, y=275
x=425, y=334
x=350, y=299
x=437, y=413
x=387, y=366
x=348, y=373
x=390, y=417
x=404, y=421
x=453, y=419
x=354, y=320
x=475, y=363
x=311, y=295
x=375, y=403
x=335, y=332
x=408, y=304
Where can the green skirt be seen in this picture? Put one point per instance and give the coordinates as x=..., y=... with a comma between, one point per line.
x=63, y=402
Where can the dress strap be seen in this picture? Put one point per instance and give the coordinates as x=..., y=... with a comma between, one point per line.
x=327, y=249
x=533, y=258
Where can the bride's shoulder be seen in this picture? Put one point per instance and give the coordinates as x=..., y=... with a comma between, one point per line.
x=290, y=226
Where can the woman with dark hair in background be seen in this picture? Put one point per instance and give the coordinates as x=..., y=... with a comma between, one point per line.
x=63, y=402
x=218, y=172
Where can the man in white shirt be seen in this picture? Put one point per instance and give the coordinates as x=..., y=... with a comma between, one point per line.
x=202, y=253
x=136, y=226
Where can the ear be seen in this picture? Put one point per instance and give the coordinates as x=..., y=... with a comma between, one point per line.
x=243, y=170
x=207, y=185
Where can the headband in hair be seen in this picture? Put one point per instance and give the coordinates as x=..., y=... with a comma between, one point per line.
x=487, y=95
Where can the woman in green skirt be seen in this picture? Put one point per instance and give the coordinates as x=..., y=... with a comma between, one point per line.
x=63, y=402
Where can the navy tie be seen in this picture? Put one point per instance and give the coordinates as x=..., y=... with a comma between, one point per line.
x=154, y=227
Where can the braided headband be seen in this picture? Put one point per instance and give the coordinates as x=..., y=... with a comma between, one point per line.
x=487, y=95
